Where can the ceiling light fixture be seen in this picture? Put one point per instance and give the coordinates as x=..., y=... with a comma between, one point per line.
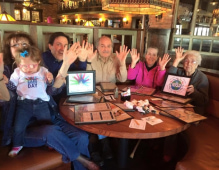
x=138, y=6
x=4, y=16
x=213, y=2
x=88, y=23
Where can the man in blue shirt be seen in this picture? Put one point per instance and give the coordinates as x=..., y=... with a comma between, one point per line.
x=53, y=58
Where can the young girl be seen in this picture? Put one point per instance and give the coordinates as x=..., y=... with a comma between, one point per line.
x=30, y=81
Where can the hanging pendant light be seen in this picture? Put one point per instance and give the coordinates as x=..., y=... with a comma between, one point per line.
x=4, y=16
x=213, y=2
x=88, y=23
x=138, y=6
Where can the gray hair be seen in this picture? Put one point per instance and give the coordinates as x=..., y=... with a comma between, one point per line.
x=196, y=54
x=98, y=41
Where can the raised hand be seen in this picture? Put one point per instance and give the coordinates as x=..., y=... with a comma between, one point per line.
x=179, y=56
x=163, y=62
x=82, y=53
x=122, y=54
x=179, y=53
x=135, y=57
x=90, y=53
x=49, y=77
x=69, y=56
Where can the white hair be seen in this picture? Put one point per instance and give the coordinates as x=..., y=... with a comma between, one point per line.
x=196, y=54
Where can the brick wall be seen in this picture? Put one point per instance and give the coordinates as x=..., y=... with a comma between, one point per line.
x=163, y=23
x=51, y=10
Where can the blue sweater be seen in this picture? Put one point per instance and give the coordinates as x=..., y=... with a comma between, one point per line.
x=54, y=66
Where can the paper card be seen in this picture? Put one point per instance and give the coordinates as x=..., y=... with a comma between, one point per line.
x=137, y=124
x=152, y=120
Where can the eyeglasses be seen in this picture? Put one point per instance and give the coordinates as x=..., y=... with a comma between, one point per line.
x=191, y=62
x=29, y=66
x=19, y=44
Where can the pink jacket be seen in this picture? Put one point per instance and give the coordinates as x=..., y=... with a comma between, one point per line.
x=140, y=74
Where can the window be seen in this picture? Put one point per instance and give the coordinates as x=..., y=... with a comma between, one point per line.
x=28, y=15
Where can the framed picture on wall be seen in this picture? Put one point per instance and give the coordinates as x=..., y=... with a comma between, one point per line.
x=35, y=16
x=26, y=15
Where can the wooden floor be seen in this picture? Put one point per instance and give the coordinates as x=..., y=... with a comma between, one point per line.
x=148, y=156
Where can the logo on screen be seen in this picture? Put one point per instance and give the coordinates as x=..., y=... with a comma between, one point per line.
x=176, y=84
x=80, y=79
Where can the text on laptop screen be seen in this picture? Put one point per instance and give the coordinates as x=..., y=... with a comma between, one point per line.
x=81, y=82
x=176, y=85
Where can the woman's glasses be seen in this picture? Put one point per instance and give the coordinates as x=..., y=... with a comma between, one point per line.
x=191, y=62
x=20, y=45
x=28, y=66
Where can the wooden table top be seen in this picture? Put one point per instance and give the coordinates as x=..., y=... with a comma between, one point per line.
x=168, y=127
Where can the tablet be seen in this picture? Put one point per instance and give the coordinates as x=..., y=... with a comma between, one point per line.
x=81, y=82
x=176, y=85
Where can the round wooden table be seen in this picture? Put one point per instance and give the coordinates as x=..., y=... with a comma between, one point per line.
x=121, y=130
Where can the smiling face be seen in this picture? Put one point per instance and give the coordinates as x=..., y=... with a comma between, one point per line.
x=57, y=48
x=190, y=64
x=105, y=47
x=151, y=56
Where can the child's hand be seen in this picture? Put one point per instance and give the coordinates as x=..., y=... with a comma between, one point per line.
x=49, y=77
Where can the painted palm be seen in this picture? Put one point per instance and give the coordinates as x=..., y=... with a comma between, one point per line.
x=79, y=79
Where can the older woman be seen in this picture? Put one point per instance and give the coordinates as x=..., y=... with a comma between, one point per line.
x=198, y=88
x=149, y=73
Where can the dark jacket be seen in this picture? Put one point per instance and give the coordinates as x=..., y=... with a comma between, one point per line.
x=200, y=82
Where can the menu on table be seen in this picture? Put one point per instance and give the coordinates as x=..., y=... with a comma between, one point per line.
x=184, y=115
x=141, y=90
x=172, y=97
x=98, y=113
x=167, y=103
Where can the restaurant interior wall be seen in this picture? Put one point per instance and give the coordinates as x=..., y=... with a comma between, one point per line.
x=197, y=29
x=46, y=11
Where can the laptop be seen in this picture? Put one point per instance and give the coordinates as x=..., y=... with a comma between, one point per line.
x=80, y=85
x=174, y=88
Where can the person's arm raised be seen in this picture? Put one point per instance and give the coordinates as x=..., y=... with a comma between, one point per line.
x=91, y=53
x=122, y=54
x=163, y=62
x=82, y=55
x=135, y=57
x=179, y=56
x=69, y=56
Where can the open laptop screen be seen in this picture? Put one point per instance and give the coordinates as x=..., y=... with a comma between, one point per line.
x=81, y=82
x=176, y=85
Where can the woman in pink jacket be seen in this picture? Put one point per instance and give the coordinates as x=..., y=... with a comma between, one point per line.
x=149, y=73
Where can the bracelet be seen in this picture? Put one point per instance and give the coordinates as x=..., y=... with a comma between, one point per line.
x=88, y=62
x=2, y=78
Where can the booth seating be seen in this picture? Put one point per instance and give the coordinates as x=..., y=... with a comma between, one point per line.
x=203, y=151
x=40, y=158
